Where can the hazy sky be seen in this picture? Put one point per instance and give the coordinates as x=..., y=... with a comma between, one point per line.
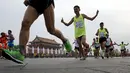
x=114, y=13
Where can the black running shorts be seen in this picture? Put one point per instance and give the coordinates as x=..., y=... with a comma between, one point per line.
x=102, y=39
x=97, y=47
x=76, y=48
x=40, y=5
x=107, y=46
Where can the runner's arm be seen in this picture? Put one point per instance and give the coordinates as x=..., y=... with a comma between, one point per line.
x=12, y=37
x=117, y=44
x=92, y=45
x=127, y=44
x=107, y=31
x=67, y=24
x=97, y=33
x=114, y=43
x=90, y=18
x=111, y=41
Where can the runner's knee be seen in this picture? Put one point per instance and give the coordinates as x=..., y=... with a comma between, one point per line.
x=85, y=44
x=51, y=31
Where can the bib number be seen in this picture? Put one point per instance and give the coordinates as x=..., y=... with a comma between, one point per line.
x=102, y=34
x=79, y=24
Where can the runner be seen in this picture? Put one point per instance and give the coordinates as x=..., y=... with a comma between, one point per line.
x=10, y=39
x=80, y=30
x=4, y=40
x=111, y=49
x=35, y=8
x=96, y=46
x=108, y=45
x=102, y=33
x=123, y=49
x=3, y=43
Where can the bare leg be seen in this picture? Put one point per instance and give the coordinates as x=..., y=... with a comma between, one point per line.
x=111, y=53
x=121, y=54
x=30, y=16
x=83, y=40
x=49, y=21
x=76, y=53
x=103, y=45
x=103, y=49
x=81, y=51
x=98, y=52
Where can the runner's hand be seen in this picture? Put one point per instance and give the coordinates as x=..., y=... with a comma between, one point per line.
x=26, y=2
x=62, y=20
x=97, y=12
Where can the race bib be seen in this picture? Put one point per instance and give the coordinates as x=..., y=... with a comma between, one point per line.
x=97, y=45
x=102, y=34
x=79, y=24
x=108, y=42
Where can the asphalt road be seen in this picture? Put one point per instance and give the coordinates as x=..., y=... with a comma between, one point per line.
x=67, y=65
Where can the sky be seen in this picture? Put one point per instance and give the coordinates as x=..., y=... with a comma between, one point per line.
x=114, y=13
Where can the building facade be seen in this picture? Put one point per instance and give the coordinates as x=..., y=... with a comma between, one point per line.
x=43, y=47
